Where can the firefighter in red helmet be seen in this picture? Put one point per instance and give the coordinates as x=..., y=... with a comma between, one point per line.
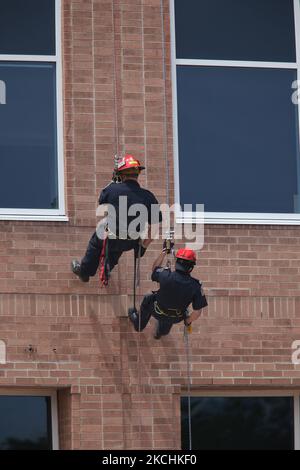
x=177, y=290
x=124, y=184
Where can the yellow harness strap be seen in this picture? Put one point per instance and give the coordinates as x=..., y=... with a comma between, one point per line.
x=177, y=313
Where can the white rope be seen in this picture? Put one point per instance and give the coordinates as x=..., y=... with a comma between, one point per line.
x=144, y=94
x=165, y=131
x=115, y=82
x=136, y=284
x=188, y=364
x=186, y=334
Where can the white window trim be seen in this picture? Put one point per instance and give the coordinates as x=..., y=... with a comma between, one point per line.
x=226, y=217
x=261, y=393
x=235, y=63
x=47, y=214
x=40, y=393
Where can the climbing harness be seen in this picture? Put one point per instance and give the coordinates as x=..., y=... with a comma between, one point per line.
x=169, y=313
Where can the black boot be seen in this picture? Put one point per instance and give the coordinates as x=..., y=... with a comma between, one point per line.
x=76, y=269
x=133, y=315
x=156, y=334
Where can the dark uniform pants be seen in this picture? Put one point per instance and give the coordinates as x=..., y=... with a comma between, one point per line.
x=147, y=310
x=90, y=262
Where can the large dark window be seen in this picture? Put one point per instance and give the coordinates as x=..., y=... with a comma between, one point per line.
x=28, y=143
x=239, y=423
x=27, y=27
x=236, y=124
x=235, y=30
x=221, y=115
x=25, y=423
x=31, y=168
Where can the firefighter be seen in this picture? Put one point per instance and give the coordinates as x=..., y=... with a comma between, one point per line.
x=125, y=184
x=177, y=290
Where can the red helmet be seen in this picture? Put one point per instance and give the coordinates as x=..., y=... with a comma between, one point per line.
x=128, y=162
x=186, y=254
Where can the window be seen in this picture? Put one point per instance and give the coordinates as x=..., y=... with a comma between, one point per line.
x=236, y=128
x=267, y=421
x=31, y=149
x=28, y=420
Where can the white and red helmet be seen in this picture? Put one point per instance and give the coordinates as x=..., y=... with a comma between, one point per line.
x=129, y=162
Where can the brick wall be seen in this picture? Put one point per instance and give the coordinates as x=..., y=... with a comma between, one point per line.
x=118, y=389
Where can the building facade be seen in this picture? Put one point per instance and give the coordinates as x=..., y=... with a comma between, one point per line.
x=101, y=77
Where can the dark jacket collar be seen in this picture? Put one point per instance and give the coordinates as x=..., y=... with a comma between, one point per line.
x=132, y=183
x=184, y=273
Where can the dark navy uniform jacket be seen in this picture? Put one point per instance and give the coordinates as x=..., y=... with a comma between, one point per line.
x=178, y=290
x=135, y=195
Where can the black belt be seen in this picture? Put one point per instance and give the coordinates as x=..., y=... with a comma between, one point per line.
x=170, y=312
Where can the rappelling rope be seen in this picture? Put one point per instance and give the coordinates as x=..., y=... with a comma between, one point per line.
x=104, y=266
x=188, y=367
x=165, y=130
x=115, y=81
x=186, y=329
x=136, y=277
x=136, y=273
x=136, y=284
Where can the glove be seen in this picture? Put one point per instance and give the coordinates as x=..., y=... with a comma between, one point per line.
x=187, y=322
x=168, y=246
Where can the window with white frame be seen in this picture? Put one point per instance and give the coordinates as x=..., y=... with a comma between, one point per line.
x=236, y=127
x=31, y=153
x=28, y=420
x=242, y=421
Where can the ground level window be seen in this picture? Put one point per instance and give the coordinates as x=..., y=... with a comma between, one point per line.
x=241, y=422
x=27, y=422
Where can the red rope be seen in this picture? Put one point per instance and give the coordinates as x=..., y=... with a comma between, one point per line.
x=102, y=271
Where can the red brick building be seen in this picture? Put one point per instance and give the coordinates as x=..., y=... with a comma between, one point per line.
x=109, y=388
